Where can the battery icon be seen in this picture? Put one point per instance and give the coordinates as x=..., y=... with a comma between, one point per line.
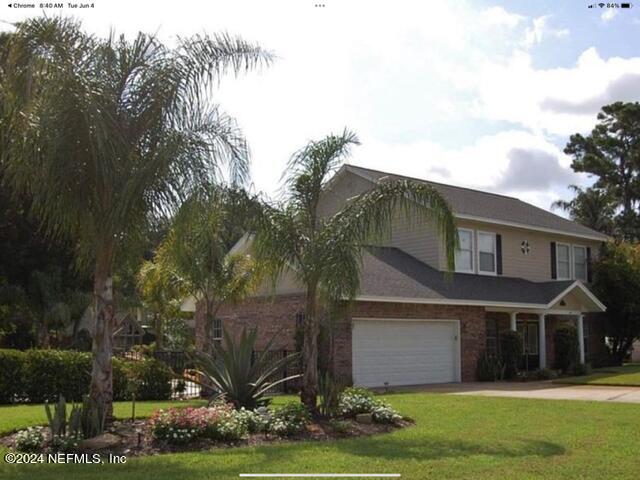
x=625, y=5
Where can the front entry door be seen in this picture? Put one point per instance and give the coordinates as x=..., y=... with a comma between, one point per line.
x=528, y=330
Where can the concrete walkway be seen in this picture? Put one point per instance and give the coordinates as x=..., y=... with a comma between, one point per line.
x=544, y=390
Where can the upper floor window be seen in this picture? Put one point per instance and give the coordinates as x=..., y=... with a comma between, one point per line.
x=563, y=258
x=580, y=263
x=571, y=262
x=486, y=252
x=464, y=255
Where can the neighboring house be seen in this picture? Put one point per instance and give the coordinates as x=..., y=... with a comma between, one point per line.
x=519, y=267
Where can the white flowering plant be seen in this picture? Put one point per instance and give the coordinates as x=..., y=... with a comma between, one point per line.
x=255, y=421
x=290, y=419
x=356, y=400
x=29, y=440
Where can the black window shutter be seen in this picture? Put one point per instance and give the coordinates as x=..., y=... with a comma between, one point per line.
x=589, y=273
x=499, y=254
x=554, y=271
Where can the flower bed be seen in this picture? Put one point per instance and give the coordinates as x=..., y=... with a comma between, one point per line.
x=219, y=424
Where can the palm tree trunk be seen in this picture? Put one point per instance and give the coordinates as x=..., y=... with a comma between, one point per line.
x=101, y=389
x=310, y=352
x=159, y=324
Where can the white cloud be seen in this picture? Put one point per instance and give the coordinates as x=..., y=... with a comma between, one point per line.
x=514, y=90
x=488, y=163
x=609, y=14
x=394, y=74
x=540, y=30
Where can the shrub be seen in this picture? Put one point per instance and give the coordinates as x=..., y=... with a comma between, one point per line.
x=511, y=351
x=355, y=400
x=121, y=387
x=183, y=425
x=566, y=347
x=489, y=368
x=546, y=374
x=43, y=375
x=30, y=440
x=383, y=413
x=149, y=379
x=46, y=374
x=290, y=419
x=11, y=385
x=580, y=369
x=256, y=421
x=65, y=444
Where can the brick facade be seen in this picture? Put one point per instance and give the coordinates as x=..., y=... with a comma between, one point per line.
x=276, y=316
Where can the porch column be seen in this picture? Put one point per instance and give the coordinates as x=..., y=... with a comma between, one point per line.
x=542, y=348
x=512, y=323
x=581, y=336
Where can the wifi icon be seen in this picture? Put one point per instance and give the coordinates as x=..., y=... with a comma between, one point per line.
x=601, y=5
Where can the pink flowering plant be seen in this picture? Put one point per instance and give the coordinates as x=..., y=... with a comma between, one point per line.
x=183, y=425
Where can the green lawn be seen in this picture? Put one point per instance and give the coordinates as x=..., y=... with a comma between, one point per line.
x=15, y=417
x=454, y=437
x=626, y=375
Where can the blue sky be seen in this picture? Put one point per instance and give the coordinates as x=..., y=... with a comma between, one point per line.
x=479, y=94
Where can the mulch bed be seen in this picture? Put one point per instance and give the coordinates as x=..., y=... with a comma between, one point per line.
x=135, y=437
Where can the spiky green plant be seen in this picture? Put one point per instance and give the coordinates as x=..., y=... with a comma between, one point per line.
x=58, y=418
x=238, y=373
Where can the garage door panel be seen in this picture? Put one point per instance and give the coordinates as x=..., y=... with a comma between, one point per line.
x=400, y=352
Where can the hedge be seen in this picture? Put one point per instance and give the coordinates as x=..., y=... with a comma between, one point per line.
x=566, y=347
x=39, y=375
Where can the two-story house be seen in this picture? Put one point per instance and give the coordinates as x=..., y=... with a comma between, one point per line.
x=518, y=267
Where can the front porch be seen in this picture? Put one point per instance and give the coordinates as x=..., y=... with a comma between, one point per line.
x=537, y=327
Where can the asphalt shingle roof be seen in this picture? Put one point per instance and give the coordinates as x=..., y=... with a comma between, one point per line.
x=466, y=201
x=390, y=272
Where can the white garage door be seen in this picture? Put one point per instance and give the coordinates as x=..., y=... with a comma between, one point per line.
x=404, y=352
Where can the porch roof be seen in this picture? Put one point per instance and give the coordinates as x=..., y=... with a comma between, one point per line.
x=389, y=274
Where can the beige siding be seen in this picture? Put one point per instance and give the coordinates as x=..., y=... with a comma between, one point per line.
x=418, y=239
x=344, y=187
x=536, y=265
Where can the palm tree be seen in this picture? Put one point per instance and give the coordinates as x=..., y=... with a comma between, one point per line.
x=591, y=207
x=197, y=249
x=161, y=293
x=104, y=134
x=324, y=252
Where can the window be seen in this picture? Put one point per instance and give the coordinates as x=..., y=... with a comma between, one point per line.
x=580, y=263
x=217, y=330
x=563, y=259
x=464, y=255
x=486, y=252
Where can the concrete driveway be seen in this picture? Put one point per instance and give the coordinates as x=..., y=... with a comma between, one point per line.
x=544, y=390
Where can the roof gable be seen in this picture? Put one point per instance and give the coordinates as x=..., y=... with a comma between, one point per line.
x=489, y=207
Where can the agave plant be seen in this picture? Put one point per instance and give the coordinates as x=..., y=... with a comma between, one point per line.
x=240, y=374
